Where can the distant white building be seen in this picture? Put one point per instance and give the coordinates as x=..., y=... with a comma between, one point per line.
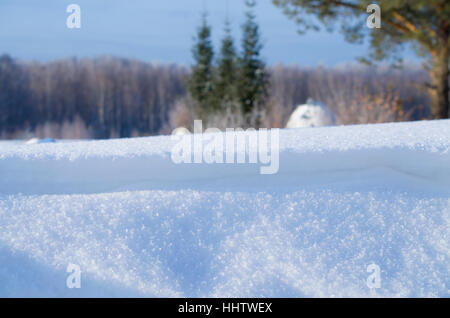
x=311, y=114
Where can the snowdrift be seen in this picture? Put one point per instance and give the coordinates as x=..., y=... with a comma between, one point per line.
x=139, y=225
x=311, y=114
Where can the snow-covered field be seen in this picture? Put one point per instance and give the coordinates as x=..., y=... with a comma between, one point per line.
x=139, y=225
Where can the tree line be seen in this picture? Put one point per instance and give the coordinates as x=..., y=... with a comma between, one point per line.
x=112, y=97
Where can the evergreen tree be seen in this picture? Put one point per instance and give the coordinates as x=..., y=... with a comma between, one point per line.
x=200, y=84
x=225, y=88
x=253, y=77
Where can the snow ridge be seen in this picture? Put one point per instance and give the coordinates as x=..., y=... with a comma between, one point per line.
x=139, y=225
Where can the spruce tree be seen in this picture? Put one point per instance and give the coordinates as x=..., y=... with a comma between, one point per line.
x=253, y=77
x=225, y=88
x=200, y=84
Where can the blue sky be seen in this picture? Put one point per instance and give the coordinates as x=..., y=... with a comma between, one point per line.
x=156, y=31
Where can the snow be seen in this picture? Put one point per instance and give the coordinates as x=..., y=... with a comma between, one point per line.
x=139, y=225
x=34, y=141
x=311, y=114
